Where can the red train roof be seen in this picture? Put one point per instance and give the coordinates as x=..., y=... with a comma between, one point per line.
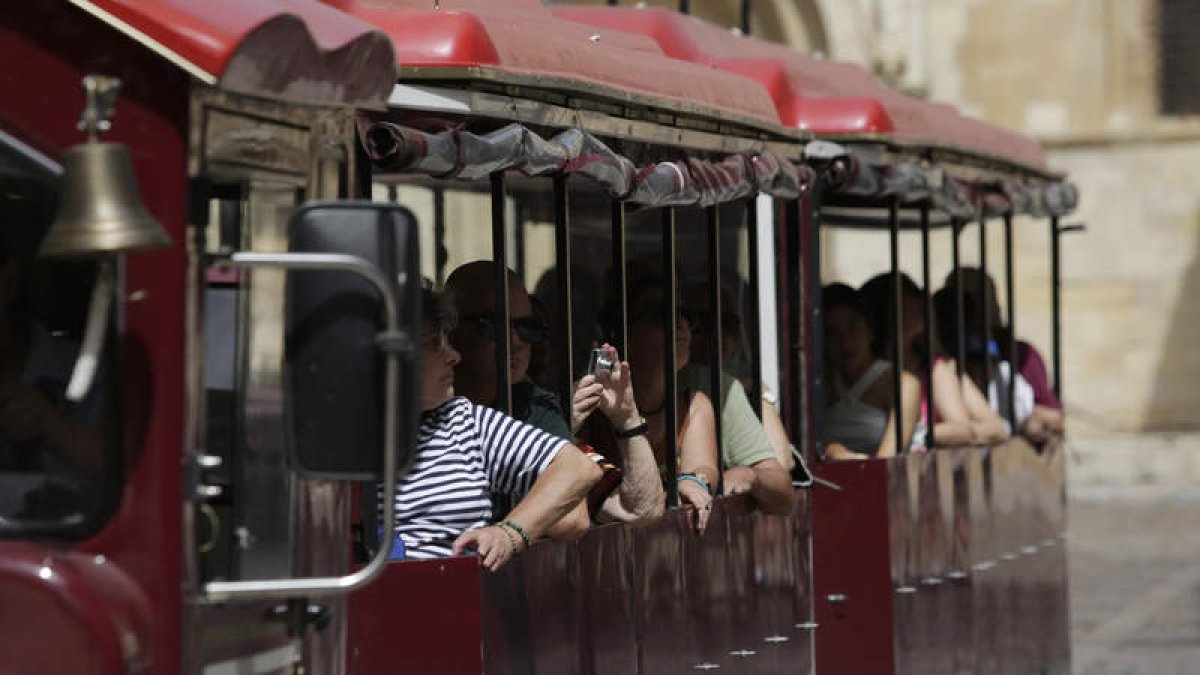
x=825, y=97
x=238, y=44
x=524, y=38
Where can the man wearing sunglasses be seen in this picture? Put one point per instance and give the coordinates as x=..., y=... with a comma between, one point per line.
x=475, y=339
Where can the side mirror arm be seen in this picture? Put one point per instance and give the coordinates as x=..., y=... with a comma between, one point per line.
x=393, y=342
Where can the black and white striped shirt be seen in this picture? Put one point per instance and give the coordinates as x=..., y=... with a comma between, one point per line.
x=465, y=452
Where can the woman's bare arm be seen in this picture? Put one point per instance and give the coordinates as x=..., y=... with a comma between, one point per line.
x=954, y=426
x=986, y=425
x=698, y=455
x=559, y=489
x=780, y=442
x=910, y=412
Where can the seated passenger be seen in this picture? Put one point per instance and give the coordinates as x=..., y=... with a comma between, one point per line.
x=695, y=430
x=860, y=417
x=466, y=451
x=475, y=378
x=472, y=286
x=1039, y=412
x=961, y=414
x=757, y=454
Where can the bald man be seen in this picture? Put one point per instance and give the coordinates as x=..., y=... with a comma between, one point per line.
x=639, y=494
x=475, y=339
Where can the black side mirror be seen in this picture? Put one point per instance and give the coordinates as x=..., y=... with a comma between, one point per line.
x=334, y=365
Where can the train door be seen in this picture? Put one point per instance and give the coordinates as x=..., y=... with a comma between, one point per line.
x=254, y=518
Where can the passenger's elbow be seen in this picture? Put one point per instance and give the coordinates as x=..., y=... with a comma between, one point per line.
x=653, y=509
x=574, y=525
x=780, y=502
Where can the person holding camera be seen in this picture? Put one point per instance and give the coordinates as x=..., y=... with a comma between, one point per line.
x=695, y=432
x=634, y=497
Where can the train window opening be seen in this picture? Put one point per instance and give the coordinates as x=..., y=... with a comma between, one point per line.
x=59, y=459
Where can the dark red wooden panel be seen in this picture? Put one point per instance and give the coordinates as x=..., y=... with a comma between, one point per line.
x=852, y=569
x=418, y=617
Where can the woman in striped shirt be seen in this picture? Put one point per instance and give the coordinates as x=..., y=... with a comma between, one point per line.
x=465, y=452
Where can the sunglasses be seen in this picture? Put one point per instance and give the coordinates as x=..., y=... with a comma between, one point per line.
x=528, y=328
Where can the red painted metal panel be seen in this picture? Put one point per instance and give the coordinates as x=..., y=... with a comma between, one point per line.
x=524, y=37
x=67, y=612
x=810, y=93
x=851, y=569
x=208, y=33
x=143, y=538
x=418, y=617
x=645, y=597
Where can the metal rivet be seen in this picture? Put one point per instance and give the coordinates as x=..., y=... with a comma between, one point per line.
x=836, y=597
x=807, y=625
x=743, y=653
x=906, y=590
x=776, y=639
x=99, y=560
x=706, y=666
x=138, y=295
x=595, y=38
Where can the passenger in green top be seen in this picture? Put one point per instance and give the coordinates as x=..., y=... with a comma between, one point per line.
x=753, y=458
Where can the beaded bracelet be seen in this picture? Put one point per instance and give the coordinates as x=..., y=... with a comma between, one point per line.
x=511, y=537
x=695, y=478
x=519, y=530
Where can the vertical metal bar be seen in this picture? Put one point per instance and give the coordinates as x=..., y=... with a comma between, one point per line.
x=984, y=300
x=1056, y=306
x=897, y=321
x=814, y=330
x=745, y=13
x=503, y=400
x=393, y=196
x=927, y=299
x=1012, y=323
x=440, y=255
x=960, y=332
x=753, y=314
x=715, y=367
x=521, y=215
x=620, y=335
x=795, y=317
x=670, y=385
x=562, y=261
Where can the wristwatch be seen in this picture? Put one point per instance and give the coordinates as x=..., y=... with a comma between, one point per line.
x=626, y=434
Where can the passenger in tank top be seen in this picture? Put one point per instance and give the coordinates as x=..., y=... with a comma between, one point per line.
x=859, y=419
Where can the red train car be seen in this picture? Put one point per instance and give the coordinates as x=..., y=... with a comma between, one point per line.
x=179, y=495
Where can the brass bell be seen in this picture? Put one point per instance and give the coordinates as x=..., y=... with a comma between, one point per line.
x=101, y=210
